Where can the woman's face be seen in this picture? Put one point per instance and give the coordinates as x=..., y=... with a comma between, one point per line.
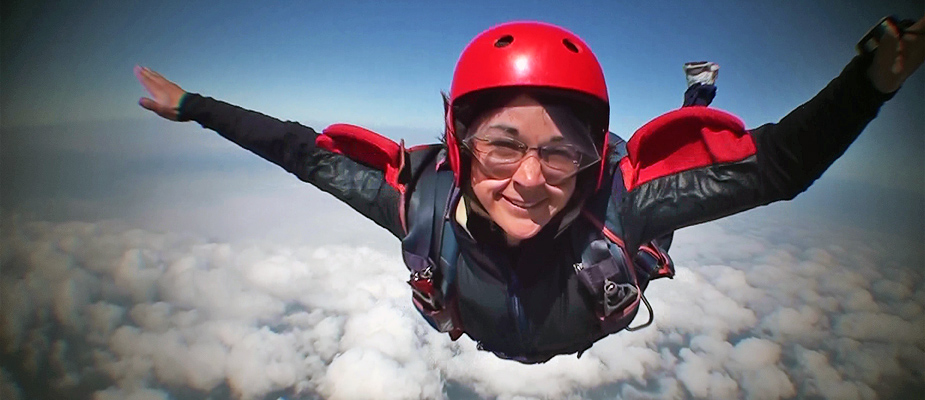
x=522, y=203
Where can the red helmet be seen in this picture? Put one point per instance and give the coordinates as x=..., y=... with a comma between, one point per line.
x=528, y=54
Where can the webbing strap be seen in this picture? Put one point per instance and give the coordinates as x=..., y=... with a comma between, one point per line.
x=431, y=259
x=418, y=244
x=447, y=250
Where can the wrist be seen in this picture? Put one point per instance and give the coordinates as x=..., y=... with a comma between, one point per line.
x=180, y=106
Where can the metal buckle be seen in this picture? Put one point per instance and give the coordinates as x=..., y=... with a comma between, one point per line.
x=617, y=296
x=422, y=289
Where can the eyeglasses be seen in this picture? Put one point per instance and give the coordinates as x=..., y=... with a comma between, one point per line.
x=500, y=157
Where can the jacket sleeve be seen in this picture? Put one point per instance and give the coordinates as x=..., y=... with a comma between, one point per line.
x=772, y=162
x=293, y=147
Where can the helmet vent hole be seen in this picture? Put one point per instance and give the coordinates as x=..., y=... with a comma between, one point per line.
x=570, y=46
x=504, y=41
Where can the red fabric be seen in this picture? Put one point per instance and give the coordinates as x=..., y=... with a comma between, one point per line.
x=367, y=147
x=537, y=54
x=684, y=139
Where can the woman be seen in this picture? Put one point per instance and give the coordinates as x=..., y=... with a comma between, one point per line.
x=532, y=229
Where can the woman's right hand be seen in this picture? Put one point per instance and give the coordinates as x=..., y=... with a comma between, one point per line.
x=166, y=94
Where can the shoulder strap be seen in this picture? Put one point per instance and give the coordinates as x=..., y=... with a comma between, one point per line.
x=422, y=216
x=430, y=249
x=613, y=278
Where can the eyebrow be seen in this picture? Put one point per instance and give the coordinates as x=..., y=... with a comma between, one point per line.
x=510, y=130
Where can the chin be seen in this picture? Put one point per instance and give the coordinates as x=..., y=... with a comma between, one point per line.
x=521, y=230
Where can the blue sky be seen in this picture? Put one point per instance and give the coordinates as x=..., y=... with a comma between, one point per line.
x=387, y=61
x=383, y=64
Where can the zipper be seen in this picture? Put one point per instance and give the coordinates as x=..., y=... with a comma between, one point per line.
x=516, y=308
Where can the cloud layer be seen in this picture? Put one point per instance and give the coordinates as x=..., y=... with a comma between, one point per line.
x=756, y=310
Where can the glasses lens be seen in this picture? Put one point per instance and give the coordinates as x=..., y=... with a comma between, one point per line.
x=500, y=150
x=500, y=157
x=561, y=158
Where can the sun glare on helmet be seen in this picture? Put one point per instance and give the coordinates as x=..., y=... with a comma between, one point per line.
x=522, y=64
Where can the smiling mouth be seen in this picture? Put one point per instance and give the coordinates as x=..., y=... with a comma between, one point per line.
x=521, y=204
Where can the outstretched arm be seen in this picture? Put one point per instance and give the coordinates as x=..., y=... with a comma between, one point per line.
x=287, y=144
x=796, y=151
x=678, y=177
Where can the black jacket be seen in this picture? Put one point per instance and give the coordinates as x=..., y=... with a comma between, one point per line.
x=525, y=302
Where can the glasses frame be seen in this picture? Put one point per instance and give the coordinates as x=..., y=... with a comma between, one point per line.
x=583, y=162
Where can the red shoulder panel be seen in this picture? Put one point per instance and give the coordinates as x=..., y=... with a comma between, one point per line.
x=367, y=147
x=684, y=139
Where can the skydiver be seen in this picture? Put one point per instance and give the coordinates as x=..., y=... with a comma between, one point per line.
x=532, y=229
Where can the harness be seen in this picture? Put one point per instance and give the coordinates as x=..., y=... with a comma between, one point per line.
x=612, y=277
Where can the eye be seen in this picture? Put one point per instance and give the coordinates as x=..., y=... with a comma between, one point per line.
x=507, y=144
x=499, y=150
x=561, y=157
x=561, y=151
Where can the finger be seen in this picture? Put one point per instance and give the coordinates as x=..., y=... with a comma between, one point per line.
x=158, y=108
x=891, y=41
x=148, y=104
x=156, y=76
x=915, y=34
x=914, y=47
x=150, y=75
x=142, y=75
x=898, y=65
x=918, y=26
x=154, y=105
x=887, y=48
x=156, y=85
x=145, y=78
x=157, y=81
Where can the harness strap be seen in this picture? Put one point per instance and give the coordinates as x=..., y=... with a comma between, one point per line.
x=431, y=261
x=616, y=280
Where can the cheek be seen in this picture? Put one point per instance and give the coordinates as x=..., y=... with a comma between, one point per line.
x=485, y=188
x=560, y=195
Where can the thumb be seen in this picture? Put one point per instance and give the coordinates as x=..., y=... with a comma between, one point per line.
x=158, y=108
x=148, y=104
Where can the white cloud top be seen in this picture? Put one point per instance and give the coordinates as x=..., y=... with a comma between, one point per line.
x=102, y=311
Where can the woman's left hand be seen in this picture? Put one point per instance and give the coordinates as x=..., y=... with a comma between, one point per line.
x=897, y=57
x=166, y=94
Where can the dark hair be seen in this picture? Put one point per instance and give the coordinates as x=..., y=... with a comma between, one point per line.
x=473, y=105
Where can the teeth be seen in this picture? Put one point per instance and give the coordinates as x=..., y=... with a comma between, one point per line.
x=522, y=204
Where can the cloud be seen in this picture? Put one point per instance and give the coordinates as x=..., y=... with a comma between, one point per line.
x=105, y=310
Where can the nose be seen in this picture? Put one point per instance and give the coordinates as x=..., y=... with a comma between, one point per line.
x=530, y=172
